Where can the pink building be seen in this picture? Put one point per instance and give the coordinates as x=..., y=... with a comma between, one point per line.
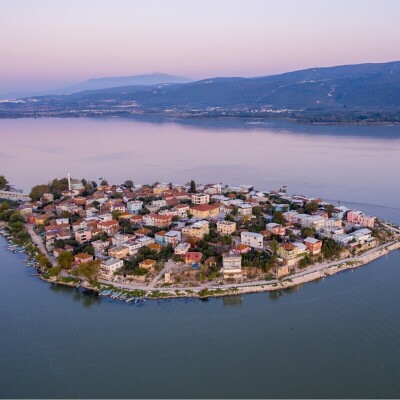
x=357, y=217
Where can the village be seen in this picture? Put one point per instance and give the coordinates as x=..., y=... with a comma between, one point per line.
x=188, y=236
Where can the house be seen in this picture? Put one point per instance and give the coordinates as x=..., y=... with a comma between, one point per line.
x=290, y=215
x=159, y=189
x=252, y=239
x=160, y=237
x=200, y=198
x=160, y=221
x=199, y=229
x=147, y=263
x=313, y=245
x=173, y=237
x=134, y=206
x=83, y=236
x=245, y=209
x=154, y=247
x=159, y=203
x=110, y=266
x=81, y=258
x=343, y=238
x=231, y=266
x=313, y=221
x=99, y=245
x=241, y=249
x=119, y=239
x=362, y=235
x=226, y=227
x=136, y=219
x=119, y=252
x=205, y=210
x=275, y=229
x=41, y=219
x=211, y=262
x=109, y=227
x=142, y=232
x=359, y=218
x=193, y=257
x=120, y=207
x=291, y=253
x=182, y=209
x=182, y=249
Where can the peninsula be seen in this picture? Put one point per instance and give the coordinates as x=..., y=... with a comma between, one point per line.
x=160, y=240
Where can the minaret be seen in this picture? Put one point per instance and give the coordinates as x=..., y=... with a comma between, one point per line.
x=69, y=182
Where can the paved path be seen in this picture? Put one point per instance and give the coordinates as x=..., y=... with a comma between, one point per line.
x=315, y=268
x=38, y=240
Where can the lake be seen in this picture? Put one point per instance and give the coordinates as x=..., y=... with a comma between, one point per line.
x=348, y=163
x=338, y=337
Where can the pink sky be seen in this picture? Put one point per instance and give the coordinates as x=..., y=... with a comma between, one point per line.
x=50, y=43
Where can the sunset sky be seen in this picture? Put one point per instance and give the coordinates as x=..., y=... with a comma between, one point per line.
x=49, y=43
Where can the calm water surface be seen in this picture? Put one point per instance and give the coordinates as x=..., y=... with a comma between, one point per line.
x=334, y=338
x=359, y=164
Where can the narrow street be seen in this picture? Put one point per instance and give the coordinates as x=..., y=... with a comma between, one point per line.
x=38, y=240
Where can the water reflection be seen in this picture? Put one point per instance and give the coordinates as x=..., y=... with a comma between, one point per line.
x=232, y=301
x=86, y=297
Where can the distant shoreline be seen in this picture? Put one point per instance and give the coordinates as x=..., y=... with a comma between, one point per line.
x=208, y=118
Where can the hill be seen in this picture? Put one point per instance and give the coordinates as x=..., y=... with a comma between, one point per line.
x=334, y=93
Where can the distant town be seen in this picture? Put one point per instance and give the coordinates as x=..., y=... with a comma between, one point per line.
x=133, y=241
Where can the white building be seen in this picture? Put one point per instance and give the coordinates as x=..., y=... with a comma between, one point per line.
x=226, y=227
x=182, y=249
x=134, y=206
x=245, y=209
x=159, y=203
x=232, y=266
x=200, y=198
x=252, y=239
x=173, y=237
x=110, y=266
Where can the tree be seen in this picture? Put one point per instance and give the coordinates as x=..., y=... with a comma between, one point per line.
x=192, y=187
x=65, y=259
x=311, y=207
x=3, y=182
x=229, y=217
x=38, y=191
x=88, y=270
x=43, y=260
x=129, y=184
x=104, y=182
x=279, y=218
x=307, y=232
x=274, y=245
x=257, y=210
x=330, y=208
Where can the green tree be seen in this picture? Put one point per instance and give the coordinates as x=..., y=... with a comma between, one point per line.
x=279, y=218
x=129, y=184
x=274, y=245
x=38, y=191
x=307, y=232
x=65, y=259
x=104, y=182
x=192, y=187
x=89, y=270
x=3, y=182
x=311, y=207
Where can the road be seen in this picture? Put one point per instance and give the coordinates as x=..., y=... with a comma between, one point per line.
x=38, y=240
x=315, y=268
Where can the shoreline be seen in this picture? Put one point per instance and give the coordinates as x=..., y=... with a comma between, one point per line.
x=202, y=292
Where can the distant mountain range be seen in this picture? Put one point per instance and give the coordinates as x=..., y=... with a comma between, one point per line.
x=339, y=93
